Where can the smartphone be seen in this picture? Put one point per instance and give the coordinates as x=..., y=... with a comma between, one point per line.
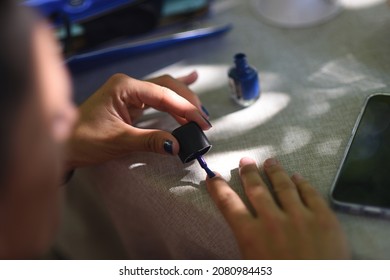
x=362, y=183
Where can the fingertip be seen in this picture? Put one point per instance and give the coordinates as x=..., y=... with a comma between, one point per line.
x=297, y=178
x=168, y=147
x=246, y=161
x=209, y=125
x=205, y=111
x=171, y=146
x=198, y=117
x=216, y=176
x=270, y=162
x=176, y=146
x=211, y=182
x=190, y=78
x=194, y=75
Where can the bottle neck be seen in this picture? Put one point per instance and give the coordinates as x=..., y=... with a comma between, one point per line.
x=241, y=63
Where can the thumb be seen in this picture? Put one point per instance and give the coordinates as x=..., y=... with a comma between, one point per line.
x=153, y=140
x=189, y=79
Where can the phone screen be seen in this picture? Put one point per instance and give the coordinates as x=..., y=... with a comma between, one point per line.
x=364, y=177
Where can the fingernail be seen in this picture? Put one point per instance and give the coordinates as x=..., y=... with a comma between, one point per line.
x=205, y=111
x=271, y=162
x=208, y=122
x=168, y=147
x=193, y=73
x=210, y=174
x=297, y=177
x=246, y=161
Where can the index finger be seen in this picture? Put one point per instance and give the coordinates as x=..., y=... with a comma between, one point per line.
x=180, y=86
x=229, y=203
x=166, y=100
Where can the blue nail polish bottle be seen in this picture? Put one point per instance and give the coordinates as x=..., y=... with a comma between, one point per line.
x=244, y=81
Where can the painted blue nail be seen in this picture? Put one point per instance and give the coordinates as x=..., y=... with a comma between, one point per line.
x=168, y=147
x=205, y=111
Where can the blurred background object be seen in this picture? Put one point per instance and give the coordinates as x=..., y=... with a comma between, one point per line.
x=296, y=13
x=96, y=32
x=87, y=24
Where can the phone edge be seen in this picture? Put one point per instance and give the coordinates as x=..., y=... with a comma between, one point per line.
x=354, y=208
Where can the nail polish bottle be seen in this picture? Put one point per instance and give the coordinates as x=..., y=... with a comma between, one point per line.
x=193, y=145
x=244, y=81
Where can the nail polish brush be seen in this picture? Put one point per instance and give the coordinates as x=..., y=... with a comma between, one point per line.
x=203, y=164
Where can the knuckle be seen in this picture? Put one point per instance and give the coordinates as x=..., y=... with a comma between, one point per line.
x=166, y=78
x=256, y=191
x=151, y=143
x=225, y=201
x=165, y=91
x=252, y=192
x=275, y=169
x=327, y=222
x=310, y=192
x=300, y=220
x=161, y=99
x=248, y=234
x=275, y=224
x=115, y=83
x=282, y=187
x=307, y=188
x=118, y=77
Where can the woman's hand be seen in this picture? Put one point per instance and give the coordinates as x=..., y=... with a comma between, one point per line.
x=105, y=128
x=299, y=225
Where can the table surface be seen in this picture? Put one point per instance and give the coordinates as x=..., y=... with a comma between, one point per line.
x=314, y=82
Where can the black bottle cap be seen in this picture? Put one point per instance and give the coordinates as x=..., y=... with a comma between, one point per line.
x=193, y=142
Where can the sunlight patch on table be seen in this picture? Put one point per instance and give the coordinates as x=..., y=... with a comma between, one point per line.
x=181, y=191
x=318, y=109
x=343, y=71
x=329, y=147
x=294, y=139
x=246, y=119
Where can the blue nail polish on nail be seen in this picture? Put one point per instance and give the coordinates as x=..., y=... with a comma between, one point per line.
x=203, y=164
x=205, y=110
x=168, y=146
